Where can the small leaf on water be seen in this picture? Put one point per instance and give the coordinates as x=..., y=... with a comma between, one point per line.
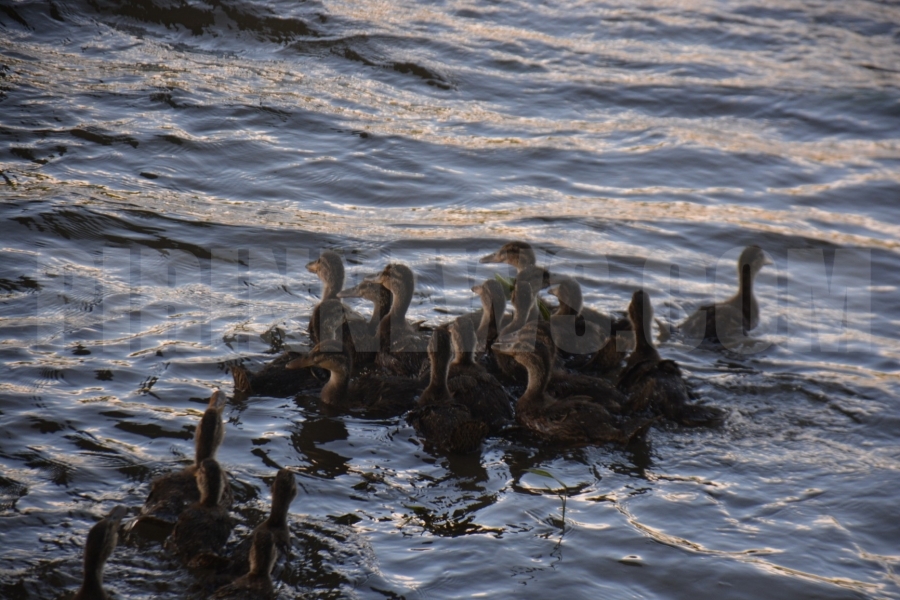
x=541, y=472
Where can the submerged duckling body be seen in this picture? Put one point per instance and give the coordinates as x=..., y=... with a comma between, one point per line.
x=732, y=319
x=402, y=349
x=444, y=423
x=101, y=541
x=171, y=493
x=204, y=526
x=572, y=420
x=257, y=583
x=651, y=383
x=272, y=379
x=375, y=394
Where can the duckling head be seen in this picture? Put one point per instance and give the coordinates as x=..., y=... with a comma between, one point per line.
x=398, y=278
x=640, y=313
x=327, y=354
x=531, y=353
x=462, y=334
x=440, y=349
x=367, y=289
x=101, y=541
x=568, y=292
x=517, y=254
x=210, y=482
x=330, y=269
x=284, y=488
x=755, y=258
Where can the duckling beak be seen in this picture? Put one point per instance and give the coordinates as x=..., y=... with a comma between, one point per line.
x=491, y=258
x=117, y=513
x=313, y=267
x=477, y=288
x=553, y=291
x=302, y=362
x=353, y=292
x=767, y=259
x=504, y=347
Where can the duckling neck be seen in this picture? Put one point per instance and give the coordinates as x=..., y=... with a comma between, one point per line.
x=334, y=392
x=437, y=389
x=642, y=327
x=92, y=585
x=565, y=310
x=464, y=359
x=208, y=436
x=745, y=294
x=488, y=327
x=535, y=394
x=381, y=308
x=280, y=506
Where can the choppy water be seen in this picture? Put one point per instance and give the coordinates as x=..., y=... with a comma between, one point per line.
x=169, y=167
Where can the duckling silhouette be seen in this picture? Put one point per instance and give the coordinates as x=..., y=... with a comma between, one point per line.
x=171, y=493
x=365, y=338
x=101, y=541
x=572, y=420
x=329, y=268
x=257, y=583
x=204, y=526
x=272, y=379
x=445, y=424
x=735, y=317
x=402, y=349
x=284, y=490
x=653, y=384
x=493, y=314
x=375, y=394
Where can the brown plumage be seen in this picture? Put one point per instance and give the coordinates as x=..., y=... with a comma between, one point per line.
x=272, y=379
x=654, y=385
x=572, y=420
x=171, y=493
x=101, y=541
x=444, y=423
x=330, y=270
x=365, y=334
x=732, y=319
x=402, y=349
x=204, y=526
x=375, y=394
x=521, y=256
x=257, y=583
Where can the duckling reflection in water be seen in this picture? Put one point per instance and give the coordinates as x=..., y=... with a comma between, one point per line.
x=376, y=394
x=204, y=526
x=101, y=541
x=170, y=493
x=444, y=423
x=257, y=583
x=732, y=319
x=572, y=420
x=653, y=384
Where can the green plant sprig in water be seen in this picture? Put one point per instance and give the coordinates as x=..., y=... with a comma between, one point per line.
x=561, y=493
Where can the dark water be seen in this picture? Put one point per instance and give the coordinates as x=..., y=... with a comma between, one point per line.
x=169, y=167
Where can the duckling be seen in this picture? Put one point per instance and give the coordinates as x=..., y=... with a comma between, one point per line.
x=376, y=394
x=257, y=583
x=733, y=318
x=170, y=493
x=525, y=314
x=272, y=379
x=365, y=338
x=402, y=349
x=580, y=330
x=521, y=256
x=284, y=490
x=472, y=385
x=652, y=383
x=572, y=420
x=204, y=526
x=101, y=541
x=330, y=269
x=444, y=423
x=493, y=314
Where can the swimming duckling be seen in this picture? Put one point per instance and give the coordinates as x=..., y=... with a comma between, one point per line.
x=376, y=394
x=572, y=420
x=652, y=383
x=580, y=330
x=171, y=493
x=365, y=338
x=521, y=256
x=204, y=526
x=733, y=318
x=101, y=541
x=330, y=270
x=402, y=349
x=257, y=583
x=272, y=379
x=444, y=423
x=472, y=385
x=284, y=490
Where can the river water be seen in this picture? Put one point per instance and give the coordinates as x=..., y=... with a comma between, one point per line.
x=170, y=167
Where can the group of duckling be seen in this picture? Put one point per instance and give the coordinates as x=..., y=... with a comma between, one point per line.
x=194, y=504
x=579, y=377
